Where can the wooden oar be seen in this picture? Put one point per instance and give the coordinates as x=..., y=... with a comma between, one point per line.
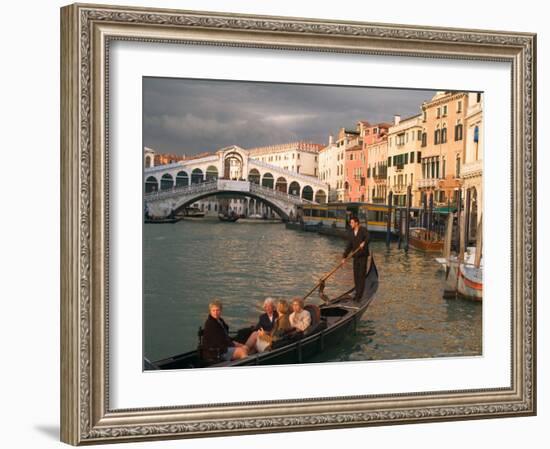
x=334, y=270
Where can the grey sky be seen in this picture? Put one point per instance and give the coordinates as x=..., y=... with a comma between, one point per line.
x=185, y=116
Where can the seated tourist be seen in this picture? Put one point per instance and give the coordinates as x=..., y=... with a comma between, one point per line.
x=216, y=340
x=280, y=328
x=265, y=323
x=300, y=319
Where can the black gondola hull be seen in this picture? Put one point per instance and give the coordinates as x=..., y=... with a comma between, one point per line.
x=339, y=318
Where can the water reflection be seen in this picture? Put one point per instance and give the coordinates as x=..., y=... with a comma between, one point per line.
x=189, y=263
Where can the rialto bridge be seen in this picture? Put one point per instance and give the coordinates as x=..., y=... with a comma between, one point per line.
x=230, y=171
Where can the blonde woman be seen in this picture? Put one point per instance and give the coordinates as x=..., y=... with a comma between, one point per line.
x=280, y=328
x=300, y=319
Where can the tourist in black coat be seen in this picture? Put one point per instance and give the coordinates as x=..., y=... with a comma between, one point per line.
x=216, y=342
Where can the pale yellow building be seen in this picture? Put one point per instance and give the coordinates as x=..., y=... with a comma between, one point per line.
x=404, y=159
x=443, y=145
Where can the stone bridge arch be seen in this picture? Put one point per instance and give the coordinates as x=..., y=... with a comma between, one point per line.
x=272, y=204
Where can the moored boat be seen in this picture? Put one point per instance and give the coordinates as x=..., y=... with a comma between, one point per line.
x=331, y=322
x=425, y=240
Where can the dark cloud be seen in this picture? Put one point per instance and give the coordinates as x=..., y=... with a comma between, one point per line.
x=186, y=116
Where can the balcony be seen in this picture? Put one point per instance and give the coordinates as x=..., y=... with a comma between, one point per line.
x=428, y=182
x=471, y=169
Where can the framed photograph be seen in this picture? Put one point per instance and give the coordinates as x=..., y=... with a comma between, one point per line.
x=279, y=224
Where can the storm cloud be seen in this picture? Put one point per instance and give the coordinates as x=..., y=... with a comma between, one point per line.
x=188, y=116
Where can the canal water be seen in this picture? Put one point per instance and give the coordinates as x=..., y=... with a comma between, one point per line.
x=187, y=264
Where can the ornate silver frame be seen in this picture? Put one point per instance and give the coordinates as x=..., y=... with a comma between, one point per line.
x=86, y=32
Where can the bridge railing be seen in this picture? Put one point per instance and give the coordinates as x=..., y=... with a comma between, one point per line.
x=221, y=184
x=256, y=188
x=176, y=191
x=312, y=180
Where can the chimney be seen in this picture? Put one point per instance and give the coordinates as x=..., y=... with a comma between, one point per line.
x=330, y=139
x=396, y=120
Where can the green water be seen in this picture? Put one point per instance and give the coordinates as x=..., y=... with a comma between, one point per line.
x=188, y=263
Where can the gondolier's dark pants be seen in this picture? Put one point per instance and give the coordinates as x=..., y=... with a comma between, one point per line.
x=359, y=273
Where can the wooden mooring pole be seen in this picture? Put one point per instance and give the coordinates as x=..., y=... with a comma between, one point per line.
x=408, y=217
x=388, y=226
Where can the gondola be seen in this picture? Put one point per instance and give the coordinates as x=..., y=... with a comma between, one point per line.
x=162, y=220
x=229, y=218
x=331, y=322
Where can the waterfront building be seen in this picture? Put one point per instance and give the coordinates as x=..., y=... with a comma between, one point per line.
x=167, y=158
x=329, y=160
x=443, y=146
x=355, y=166
x=471, y=171
x=375, y=143
x=300, y=157
x=348, y=142
x=404, y=156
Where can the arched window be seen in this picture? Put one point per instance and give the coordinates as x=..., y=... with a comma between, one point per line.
x=197, y=176
x=320, y=196
x=294, y=188
x=424, y=138
x=268, y=181
x=444, y=135
x=151, y=184
x=437, y=136
x=254, y=176
x=307, y=193
x=147, y=161
x=211, y=173
x=476, y=133
x=166, y=182
x=182, y=179
x=281, y=185
x=458, y=131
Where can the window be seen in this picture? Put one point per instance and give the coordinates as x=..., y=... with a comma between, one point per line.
x=438, y=112
x=479, y=97
x=419, y=135
x=476, y=133
x=444, y=135
x=436, y=136
x=418, y=155
x=457, y=174
x=459, y=106
x=389, y=161
x=458, y=132
x=412, y=157
x=444, y=110
x=444, y=168
x=424, y=139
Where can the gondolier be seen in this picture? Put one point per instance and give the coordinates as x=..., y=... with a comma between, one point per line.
x=358, y=243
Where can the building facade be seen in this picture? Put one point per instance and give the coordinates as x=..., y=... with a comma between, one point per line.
x=404, y=157
x=443, y=146
x=375, y=143
x=299, y=157
x=355, y=166
x=471, y=171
